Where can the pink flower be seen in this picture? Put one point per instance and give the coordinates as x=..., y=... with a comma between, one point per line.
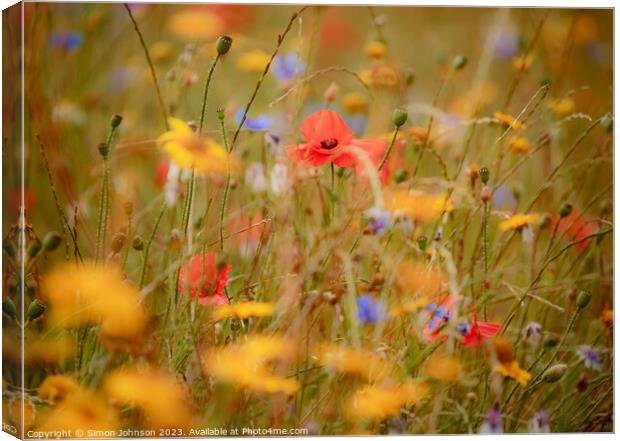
x=201, y=277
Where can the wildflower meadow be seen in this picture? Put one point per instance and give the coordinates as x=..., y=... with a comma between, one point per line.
x=228, y=220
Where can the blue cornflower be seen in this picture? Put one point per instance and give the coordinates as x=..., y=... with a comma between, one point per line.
x=463, y=328
x=590, y=356
x=493, y=422
x=369, y=310
x=378, y=220
x=285, y=68
x=505, y=45
x=261, y=122
x=67, y=40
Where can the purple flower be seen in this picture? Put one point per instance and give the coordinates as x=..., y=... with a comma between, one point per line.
x=67, y=40
x=463, y=328
x=369, y=310
x=505, y=45
x=504, y=199
x=261, y=122
x=533, y=333
x=590, y=356
x=285, y=68
x=378, y=220
x=539, y=423
x=493, y=421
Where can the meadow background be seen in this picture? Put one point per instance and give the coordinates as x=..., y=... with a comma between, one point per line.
x=465, y=288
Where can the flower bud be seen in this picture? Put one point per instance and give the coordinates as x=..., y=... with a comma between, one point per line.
x=331, y=92
x=485, y=194
x=399, y=117
x=484, y=175
x=566, y=209
x=220, y=114
x=400, y=175
x=582, y=383
x=551, y=341
x=583, y=298
x=118, y=241
x=223, y=44
x=459, y=62
x=36, y=309
x=8, y=307
x=116, y=121
x=554, y=373
x=422, y=242
x=51, y=241
x=104, y=149
x=9, y=247
x=34, y=248
x=137, y=243
x=608, y=122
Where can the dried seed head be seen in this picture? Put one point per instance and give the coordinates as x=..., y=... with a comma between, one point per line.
x=554, y=373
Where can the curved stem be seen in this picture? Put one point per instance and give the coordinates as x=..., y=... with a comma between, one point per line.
x=145, y=259
x=389, y=149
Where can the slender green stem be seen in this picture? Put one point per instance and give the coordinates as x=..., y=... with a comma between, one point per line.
x=104, y=200
x=145, y=258
x=206, y=93
x=227, y=187
x=389, y=149
x=485, y=252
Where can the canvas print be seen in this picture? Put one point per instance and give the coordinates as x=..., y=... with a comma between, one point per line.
x=300, y=220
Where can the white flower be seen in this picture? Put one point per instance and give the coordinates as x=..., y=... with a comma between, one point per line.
x=255, y=177
x=171, y=187
x=280, y=182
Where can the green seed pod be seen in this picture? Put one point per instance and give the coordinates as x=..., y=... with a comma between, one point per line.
x=422, y=242
x=608, y=123
x=116, y=121
x=400, y=176
x=8, y=307
x=104, y=149
x=583, y=298
x=220, y=114
x=51, y=241
x=137, y=243
x=459, y=62
x=34, y=248
x=566, y=209
x=554, y=373
x=484, y=174
x=118, y=241
x=9, y=247
x=223, y=44
x=399, y=117
x=35, y=310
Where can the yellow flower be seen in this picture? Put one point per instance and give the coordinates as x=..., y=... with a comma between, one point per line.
x=410, y=306
x=522, y=63
x=519, y=145
x=354, y=102
x=381, y=402
x=253, y=61
x=376, y=49
x=352, y=361
x=563, y=106
x=443, y=368
x=48, y=350
x=607, y=317
x=80, y=411
x=507, y=365
x=14, y=412
x=519, y=221
x=417, y=206
x=244, y=310
x=158, y=395
x=189, y=151
x=508, y=121
x=195, y=25
x=90, y=294
x=381, y=74
x=417, y=132
x=415, y=278
x=56, y=387
x=161, y=51
x=246, y=364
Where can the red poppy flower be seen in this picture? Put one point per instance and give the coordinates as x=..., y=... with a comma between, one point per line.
x=201, y=277
x=328, y=139
x=575, y=227
x=478, y=331
x=161, y=175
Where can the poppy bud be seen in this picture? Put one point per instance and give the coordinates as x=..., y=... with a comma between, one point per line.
x=34, y=248
x=459, y=62
x=137, y=243
x=223, y=44
x=582, y=383
x=117, y=242
x=331, y=92
x=608, y=122
x=116, y=121
x=485, y=194
x=51, y=241
x=399, y=117
x=104, y=149
x=422, y=242
x=220, y=114
x=566, y=209
x=8, y=307
x=583, y=299
x=484, y=175
x=36, y=309
x=400, y=176
x=554, y=373
x=9, y=247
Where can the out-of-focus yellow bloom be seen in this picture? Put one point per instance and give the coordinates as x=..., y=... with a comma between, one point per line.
x=352, y=361
x=188, y=150
x=418, y=133
x=519, y=221
x=376, y=49
x=563, y=106
x=253, y=61
x=507, y=365
x=443, y=368
x=417, y=206
x=416, y=278
x=49, y=350
x=161, y=51
x=519, y=145
x=381, y=74
x=195, y=25
x=56, y=387
x=586, y=29
x=607, y=317
x=246, y=364
x=508, y=121
x=244, y=310
x=79, y=411
x=380, y=402
x=158, y=395
x=90, y=294
x=522, y=63
x=354, y=102
x=410, y=306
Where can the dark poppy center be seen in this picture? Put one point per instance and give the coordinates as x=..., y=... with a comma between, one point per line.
x=329, y=143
